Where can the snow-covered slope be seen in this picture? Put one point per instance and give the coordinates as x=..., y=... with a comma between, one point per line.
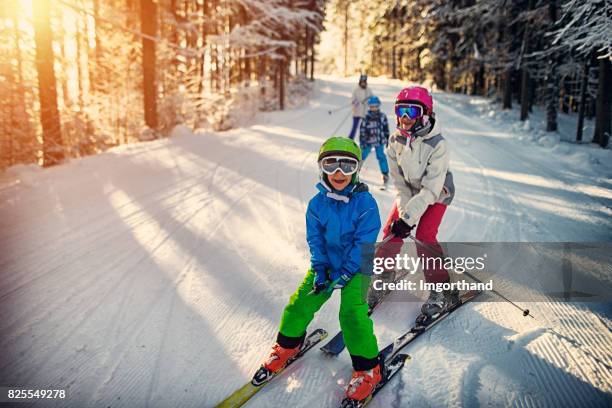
x=155, y=274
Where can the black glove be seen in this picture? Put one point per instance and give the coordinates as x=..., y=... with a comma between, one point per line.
x=400, y=229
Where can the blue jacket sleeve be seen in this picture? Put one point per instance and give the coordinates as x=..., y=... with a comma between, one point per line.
x=366, y=232
x=319, y=261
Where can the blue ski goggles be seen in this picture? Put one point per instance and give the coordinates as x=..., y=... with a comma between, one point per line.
x=410, y=110
x=346, y=165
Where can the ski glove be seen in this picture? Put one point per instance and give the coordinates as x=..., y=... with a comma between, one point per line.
x=339, y=280
x=320, y=281
x=400, y=229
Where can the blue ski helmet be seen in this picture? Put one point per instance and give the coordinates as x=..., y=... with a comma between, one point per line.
x=373, y=101
x=363, y=78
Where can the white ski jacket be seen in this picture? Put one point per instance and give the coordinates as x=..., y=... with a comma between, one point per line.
x=359, y=100
x=419, y=169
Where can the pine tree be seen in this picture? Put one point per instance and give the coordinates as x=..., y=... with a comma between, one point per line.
x=53, y=147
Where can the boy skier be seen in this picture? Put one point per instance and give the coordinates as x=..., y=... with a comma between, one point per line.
x=374, y=133
x=359, y=98
x=340, y=218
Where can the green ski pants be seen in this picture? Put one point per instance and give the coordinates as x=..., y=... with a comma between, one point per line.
x=357, y=327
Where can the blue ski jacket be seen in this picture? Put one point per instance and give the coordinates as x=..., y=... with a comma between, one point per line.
x=338, y=223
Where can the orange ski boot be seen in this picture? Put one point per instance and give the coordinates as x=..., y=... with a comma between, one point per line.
x=274, y=364
x=279, y=357
x=363, y=383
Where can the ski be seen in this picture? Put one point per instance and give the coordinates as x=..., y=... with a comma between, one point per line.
x=392, y=367
x=402, y=341
x=263, y=376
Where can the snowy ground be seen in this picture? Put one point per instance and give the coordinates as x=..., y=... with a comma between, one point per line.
x=155, y=274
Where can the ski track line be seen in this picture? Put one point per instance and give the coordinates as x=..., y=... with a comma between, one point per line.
x=539, y=168
x=88, y=247
x=554, y=354
x=119, y=351
x=146, y=220
x=41, y=198
x=95, y=234
x=143, y=257
x=500, y=152
x=87, y=314
x=78, y=208
x=76, y=288
x=68, y=233
x=485, y=180
x=592, y=338
x=154, y=382
x=494, y=200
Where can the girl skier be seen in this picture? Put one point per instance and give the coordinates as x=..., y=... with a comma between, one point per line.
x=340, y=218
x=374, y=133
x=419, y=167
x=359, y=98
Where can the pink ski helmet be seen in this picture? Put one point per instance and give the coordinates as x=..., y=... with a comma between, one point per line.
x=416, y=94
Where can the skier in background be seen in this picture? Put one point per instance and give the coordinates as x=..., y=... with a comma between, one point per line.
x=359, y=98
x=374, y=134
x=340, y=218
x=419, y=167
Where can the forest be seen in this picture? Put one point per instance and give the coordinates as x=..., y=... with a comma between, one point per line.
x=550, y=53
x=80, y=76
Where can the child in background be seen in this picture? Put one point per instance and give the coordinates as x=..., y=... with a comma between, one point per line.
x=340, y=218
x=360, y=95
x=374, y=134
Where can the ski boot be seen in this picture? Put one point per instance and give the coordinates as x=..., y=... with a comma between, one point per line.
x=274, y=364
x=385, y=181
x=436, y=304
x=363, y=384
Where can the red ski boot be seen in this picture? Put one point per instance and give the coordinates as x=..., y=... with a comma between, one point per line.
x=279, y=357
x=363, y=383
x=274, y=364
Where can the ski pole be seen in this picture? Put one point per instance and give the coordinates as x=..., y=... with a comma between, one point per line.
x=341, y=123
x=385, y=240
x=338, y=109
x=469, y=275
x=344, y=107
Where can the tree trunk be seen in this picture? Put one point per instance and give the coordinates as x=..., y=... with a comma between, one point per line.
x=148, y=21
x=312, y=58
x=53, y=148
x=281, y=84
x=603, y=114
x=583, y=91
x=305, y=55
x=507, y=98
x=524, y=94
x=552, y=97
x=552, y=82
x=345, y=38
x=478, y=85
x=97, y=73
x=79, y=48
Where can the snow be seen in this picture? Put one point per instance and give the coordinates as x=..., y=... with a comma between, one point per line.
x=155, y=274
